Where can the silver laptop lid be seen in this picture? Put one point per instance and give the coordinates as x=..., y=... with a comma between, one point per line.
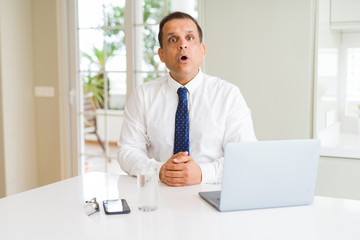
x=268, y=174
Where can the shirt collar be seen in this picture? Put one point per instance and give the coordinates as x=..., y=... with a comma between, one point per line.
x=190, y=86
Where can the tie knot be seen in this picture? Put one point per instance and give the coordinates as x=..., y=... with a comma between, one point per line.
x=182, y=92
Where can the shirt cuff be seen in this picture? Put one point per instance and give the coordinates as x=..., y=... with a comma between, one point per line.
x=207, y=172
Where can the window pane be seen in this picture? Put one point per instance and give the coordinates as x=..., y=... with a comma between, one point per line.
x=146, y=77
x=327, y=90
x=93, y=142
x=89, y=14
x=91, y=44
x=187, y=6
x=117, y=90
x=155, y=10
x=328, y=74
x=93, y=88
x=116, y=52
x=148, y=59
x=97, y=13
x=353, y=82
x=114, y=11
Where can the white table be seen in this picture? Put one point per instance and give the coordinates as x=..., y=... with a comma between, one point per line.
x=55, y=212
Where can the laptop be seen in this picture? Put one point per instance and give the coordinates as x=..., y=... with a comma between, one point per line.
x=267, y=174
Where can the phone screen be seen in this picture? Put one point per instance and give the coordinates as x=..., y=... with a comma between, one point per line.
x=116, y=206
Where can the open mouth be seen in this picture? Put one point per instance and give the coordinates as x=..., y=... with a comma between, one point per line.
x=183, y=58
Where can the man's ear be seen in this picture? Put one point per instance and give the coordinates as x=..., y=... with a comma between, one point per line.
x=160, y=52
x=203, y=48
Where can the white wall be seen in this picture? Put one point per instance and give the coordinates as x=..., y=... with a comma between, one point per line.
x=17, y=96
x=46, y=73
x=267, y=49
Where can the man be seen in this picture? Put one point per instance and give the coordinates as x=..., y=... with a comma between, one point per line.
x=180, y=123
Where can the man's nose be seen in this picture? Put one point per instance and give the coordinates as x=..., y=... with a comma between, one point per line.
x=182, y=44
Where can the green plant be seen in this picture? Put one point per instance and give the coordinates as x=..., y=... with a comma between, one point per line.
x=93, y=85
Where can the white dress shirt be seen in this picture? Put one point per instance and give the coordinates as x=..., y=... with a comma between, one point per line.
x=218, y=114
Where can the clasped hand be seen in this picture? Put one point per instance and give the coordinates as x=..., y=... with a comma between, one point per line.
x=180, y=170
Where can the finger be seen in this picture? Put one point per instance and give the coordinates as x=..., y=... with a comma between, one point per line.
x=162, y=172
x=175, y=182
x=174, y=174
x=172, y=184
x=177, y=155
x=174, y=166
x=182, y=159
x=183, y=153
x=180, y=154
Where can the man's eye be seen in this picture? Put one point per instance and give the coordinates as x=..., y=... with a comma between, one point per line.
x=172, y=40
x=190, y=38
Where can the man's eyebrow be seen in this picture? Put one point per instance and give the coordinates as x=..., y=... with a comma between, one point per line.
x=174, y=33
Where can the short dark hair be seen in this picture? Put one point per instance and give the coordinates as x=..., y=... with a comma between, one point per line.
x=177, y=15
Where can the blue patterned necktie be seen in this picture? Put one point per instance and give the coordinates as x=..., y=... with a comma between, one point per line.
x=181, y=141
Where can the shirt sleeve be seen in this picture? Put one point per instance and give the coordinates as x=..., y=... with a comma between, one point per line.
x=238, y=127
x=133, y=142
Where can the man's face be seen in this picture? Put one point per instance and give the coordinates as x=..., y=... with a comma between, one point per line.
x=182, y=51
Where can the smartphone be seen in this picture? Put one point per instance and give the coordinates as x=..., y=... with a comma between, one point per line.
x=116, y=206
